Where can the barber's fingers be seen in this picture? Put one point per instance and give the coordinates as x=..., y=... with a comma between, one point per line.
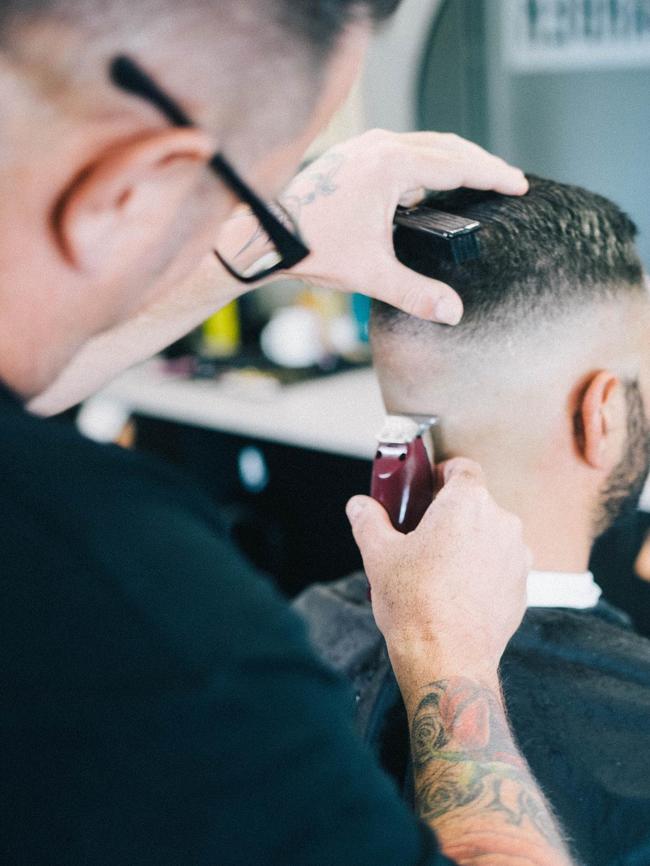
x=417, y=295
x=468, y=164
x=460, y=483
x=371, y=527
x=411, y=197
x=444, y=141
x=442, y=170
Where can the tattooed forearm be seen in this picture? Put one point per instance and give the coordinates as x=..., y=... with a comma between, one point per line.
x=468, y=772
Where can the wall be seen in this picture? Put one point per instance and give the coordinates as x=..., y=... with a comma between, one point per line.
x=589, y=126
x=390, y=81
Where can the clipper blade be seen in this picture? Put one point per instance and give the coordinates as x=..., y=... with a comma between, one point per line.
x=399, y=427
x=455, y=237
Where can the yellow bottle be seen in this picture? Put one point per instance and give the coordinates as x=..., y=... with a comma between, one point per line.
x=221, y=333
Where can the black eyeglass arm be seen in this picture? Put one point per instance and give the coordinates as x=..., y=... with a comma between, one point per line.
x=268, y=220
x=129, y=77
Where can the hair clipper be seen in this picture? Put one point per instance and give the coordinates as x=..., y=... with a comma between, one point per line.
x=402, y=472
x=449, y=237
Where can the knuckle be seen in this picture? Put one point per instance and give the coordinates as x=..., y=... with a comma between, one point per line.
x=447, y=160
x=376, y=135
x=455, y=157
x=481, y=493
x=360, y=526
x=373, y=274
x=515, y=523
x=469, y=467
x=380, y=153
x=413, y=300
x=462, y=497
x=452, y=493
x=473, y=490
x=390, y=149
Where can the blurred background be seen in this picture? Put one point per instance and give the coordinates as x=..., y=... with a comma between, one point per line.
x=271, y=405
x=559, y=87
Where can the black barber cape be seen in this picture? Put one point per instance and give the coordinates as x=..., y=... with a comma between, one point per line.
x=577, y=690
x=159, y=702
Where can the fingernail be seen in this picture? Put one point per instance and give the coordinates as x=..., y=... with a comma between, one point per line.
x=449, y=311
x=354, y=508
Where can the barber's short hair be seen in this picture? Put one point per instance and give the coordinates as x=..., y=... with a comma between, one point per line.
x=557, y=247
x=316, y=23
x=320, y=22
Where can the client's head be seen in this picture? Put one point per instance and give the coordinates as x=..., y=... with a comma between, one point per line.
x=546, y=381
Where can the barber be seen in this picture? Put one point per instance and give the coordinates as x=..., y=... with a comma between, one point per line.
x=160, y=703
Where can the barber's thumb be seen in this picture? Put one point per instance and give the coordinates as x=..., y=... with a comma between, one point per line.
x=370, y=524
x=461, y=469
x=418, y=295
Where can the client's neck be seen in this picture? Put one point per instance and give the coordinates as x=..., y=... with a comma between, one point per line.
x=556, y=545
x=557, y=520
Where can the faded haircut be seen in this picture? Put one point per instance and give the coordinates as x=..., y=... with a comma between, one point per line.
x=542, y=254
x=315, y=23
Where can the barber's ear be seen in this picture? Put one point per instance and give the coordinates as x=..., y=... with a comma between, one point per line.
x=601, y=418
x=125, y=202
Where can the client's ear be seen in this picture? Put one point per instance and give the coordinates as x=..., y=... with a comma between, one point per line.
x=123, y=203
x=601, y=417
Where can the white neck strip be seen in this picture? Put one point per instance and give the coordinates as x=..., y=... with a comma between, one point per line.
x=644, y=502
x=562, y=589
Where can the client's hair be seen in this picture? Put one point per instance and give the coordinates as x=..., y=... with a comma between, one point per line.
x=556, y=247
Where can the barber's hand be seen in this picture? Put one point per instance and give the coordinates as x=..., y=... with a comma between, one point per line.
x=454, y=590
x=344, y=203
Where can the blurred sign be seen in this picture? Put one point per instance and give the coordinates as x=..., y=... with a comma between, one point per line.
x=548, y=35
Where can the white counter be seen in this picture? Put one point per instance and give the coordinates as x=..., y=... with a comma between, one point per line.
x=340, y=414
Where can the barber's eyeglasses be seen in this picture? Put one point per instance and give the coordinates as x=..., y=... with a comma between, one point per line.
x=265, y=238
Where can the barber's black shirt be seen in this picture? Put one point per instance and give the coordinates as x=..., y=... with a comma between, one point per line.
x=159, y=703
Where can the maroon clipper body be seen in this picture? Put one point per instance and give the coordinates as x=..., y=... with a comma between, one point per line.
x=402, y=472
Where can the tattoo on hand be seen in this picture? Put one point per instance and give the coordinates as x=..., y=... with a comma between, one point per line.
x=320, y=181
x=464, y=759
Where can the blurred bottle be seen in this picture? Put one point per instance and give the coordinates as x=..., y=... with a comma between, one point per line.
x=361, y=313
x=220, y=335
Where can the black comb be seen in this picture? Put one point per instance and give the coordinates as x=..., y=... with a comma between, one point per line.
x=454, y=237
